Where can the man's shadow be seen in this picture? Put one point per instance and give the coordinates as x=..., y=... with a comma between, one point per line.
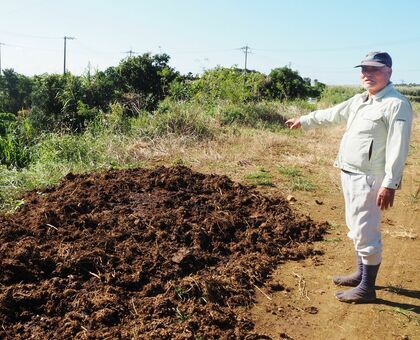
x=400, y=291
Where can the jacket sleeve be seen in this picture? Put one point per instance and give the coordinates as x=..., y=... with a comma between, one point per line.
x=334, y=115
x=397, y=145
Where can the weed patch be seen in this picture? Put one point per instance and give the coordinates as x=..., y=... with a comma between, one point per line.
x=297, y=180
x=261, y=177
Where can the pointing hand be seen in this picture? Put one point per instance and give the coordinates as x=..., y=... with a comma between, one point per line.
x=293, y=123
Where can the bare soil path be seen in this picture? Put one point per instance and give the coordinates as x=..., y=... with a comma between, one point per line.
x=307, y=308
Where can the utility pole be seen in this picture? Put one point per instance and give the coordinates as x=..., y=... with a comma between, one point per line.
x=130, y=53
x=65, y=43
x=246, y=50
x=0, y=56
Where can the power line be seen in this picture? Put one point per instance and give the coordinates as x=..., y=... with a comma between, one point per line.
x=24, y=7
x=201, y=51
x=30, y=35
x=342, y=48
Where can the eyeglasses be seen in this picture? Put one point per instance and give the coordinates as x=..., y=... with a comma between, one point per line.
x=371, y=69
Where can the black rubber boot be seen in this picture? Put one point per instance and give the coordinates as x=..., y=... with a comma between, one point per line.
x=351, y=280
x=365, y=291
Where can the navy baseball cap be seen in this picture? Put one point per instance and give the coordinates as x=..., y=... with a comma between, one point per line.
x=376, y=59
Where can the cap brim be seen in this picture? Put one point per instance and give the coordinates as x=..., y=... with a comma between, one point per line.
x=371, y=63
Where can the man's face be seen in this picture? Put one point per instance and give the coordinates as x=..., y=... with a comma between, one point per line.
x=375, y=79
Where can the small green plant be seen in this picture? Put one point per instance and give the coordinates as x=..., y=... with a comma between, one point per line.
x=332, y=239
x=397, y=289
x=180, y=315
x=407, y=312
x=178, y=161
x=414, y=196
x=298, y=181
x=335, y=226
x=289, y=171
x=260, y=177
x=302, y=183
x=181, y=293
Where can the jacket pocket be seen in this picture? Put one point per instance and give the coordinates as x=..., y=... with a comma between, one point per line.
x=373, y=116
x=370, y=150
x=367, y=123
x=356, y=152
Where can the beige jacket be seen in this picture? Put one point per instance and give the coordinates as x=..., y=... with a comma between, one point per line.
x=377, y=136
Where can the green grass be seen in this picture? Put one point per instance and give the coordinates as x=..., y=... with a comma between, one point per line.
x=406, y=312
x=302, y=184
x=332, y=239
x=415, y=196
x=397, y=289
x=58, y=154
x=297, y=180
x=180, y=315
x=336, y=94
x=289, y=171
x=335, y=226
x=260, y=177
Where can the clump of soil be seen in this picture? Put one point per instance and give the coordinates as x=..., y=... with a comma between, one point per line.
x=162, y=253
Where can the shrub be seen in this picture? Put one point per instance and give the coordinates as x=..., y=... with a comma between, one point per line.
x=7, y=120
x=16, y=142
x=15, y=90
x=286, y=84
x=179, y=118
x=229, y=84
x=333, y=95
x=146, y=75
x=249, y=114
x=67, y=149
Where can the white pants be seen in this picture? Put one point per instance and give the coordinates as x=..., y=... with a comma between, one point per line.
x=363, y=217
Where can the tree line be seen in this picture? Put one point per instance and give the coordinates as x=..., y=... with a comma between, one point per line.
x=32, y=106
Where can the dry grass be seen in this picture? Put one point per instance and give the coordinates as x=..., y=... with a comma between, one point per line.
x=400, y=232
x=242, y=150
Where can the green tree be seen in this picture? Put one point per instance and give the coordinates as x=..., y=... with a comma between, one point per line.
x=180, y=89
x=317, y=89
x=15, y=91
x=59, y=103
x=47, y=107
x=75, y=113
x=231, y=84
x=286, y=84
x=101, y=89
x=147, y=76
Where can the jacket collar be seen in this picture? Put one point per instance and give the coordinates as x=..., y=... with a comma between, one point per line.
x=383, y=92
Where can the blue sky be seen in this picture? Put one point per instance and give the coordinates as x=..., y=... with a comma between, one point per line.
x=320, y=39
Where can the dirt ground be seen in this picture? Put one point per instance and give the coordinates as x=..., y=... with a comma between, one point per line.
x=307, y=309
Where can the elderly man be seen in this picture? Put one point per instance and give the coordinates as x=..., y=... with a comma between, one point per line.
x=371, y=157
